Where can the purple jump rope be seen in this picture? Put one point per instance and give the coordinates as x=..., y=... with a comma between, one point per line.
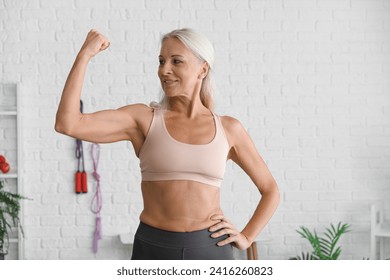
x=96, y=203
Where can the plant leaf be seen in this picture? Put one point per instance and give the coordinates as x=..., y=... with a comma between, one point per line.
x=324, y=248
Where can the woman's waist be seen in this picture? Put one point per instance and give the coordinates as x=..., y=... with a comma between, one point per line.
x=179, y=205
x=180, y=196
x=178, y=221
x=163, y=237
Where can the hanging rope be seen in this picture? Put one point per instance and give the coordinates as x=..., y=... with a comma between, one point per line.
x=96, y=203
x=81, y=176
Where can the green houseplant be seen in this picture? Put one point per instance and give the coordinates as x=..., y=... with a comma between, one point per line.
x=9, y=216
x=324, y=247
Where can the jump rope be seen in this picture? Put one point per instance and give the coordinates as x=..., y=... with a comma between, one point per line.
x=81, y=185
x=81, y=176
x=96, y=203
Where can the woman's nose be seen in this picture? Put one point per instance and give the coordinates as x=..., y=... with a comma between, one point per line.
x=166, y=69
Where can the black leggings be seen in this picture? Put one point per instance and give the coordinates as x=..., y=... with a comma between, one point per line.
x=155, y=244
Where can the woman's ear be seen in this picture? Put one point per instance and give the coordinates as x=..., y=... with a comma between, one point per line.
x=204, y=70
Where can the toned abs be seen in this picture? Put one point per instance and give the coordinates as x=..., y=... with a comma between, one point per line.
x=180, y=206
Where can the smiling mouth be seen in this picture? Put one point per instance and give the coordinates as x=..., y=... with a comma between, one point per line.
x=168, y=82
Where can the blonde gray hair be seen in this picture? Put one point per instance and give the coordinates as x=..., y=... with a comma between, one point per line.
x=202, y=48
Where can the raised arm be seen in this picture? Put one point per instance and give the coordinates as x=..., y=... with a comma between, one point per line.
x=100, y=127
x=244, y=153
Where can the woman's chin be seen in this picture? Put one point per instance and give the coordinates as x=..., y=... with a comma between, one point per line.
x=170, y=93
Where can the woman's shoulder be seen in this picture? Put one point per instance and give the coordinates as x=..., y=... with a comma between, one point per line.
x=236, y=133
x=232, y=126
x=138, y=113
x=230, y=123
x=137, y=108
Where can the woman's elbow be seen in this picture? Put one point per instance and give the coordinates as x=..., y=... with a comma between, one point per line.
x=272, y=191
x=59, y=128
x=62, y=128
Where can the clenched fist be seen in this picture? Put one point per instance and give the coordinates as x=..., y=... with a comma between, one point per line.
x=94, y=43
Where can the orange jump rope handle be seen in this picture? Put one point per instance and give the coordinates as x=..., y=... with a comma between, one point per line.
x=84, y=186
x=78, y=182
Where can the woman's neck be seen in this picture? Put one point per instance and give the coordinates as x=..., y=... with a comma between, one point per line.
x=184, y=105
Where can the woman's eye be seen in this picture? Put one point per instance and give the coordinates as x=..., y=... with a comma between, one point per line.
x=176, y=61
x=161, y=62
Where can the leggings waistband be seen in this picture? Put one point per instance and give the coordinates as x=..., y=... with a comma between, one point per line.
x=191, y=239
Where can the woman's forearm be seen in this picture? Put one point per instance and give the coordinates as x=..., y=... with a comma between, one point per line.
x=69, y=108
x=263, y=213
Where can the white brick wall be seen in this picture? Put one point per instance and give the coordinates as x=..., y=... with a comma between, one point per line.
x=308, y=79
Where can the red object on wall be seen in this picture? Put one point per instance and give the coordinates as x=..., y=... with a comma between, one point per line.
x=78, y=182
x=84, y=186
x=4, y=166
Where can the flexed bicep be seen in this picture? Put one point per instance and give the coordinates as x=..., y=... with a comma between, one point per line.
x=100, y=127
x=109, y=126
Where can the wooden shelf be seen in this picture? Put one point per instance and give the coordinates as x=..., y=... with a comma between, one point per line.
x=8, y=111
x=383, y=230
x=9, y=176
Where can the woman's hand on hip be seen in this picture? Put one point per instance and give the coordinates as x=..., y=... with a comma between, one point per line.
x=224, y=226
x=94, y=43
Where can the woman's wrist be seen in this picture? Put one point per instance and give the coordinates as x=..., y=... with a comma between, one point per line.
x=248, y=238
x=83, y=57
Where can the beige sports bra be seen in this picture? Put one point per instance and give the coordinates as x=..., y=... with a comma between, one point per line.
x=162, y=158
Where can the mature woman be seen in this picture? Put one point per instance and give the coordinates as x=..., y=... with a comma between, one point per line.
x=183, y=148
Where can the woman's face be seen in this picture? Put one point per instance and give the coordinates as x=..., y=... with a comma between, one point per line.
x=180, y=71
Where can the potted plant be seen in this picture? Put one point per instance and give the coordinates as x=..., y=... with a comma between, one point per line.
x=324, y=248
x=9, y=216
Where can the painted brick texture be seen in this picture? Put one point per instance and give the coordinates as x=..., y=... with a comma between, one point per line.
x=310, y=80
